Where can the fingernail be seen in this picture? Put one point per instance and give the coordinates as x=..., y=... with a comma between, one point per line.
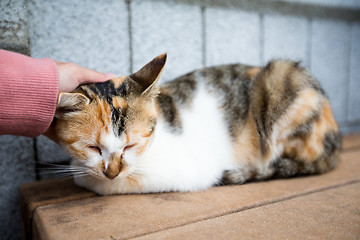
x=110, y=75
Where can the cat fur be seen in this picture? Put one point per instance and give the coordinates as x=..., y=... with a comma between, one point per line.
x=220, y=125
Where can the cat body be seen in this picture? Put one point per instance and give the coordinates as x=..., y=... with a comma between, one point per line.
x=221, y=125
x=185, y=160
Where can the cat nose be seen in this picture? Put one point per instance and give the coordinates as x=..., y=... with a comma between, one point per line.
x=114, y=167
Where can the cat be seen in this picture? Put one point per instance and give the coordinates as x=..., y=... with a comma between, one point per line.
x=220, y=125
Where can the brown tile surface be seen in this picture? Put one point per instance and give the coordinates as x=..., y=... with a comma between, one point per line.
x=330, y=214
x=41, y=193
x=351, y=142
x=126, y=216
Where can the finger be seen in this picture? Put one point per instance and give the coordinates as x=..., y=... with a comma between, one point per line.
x=90, y=76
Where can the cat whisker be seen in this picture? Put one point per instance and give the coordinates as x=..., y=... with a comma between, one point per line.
x=144, y=165
x=95, y=174
x=134, y=170
x=57, y=175
x=81, y=175
x=63, y=170
x=132, y=176
x=140, y=167
x=59, y=166
x=66, y=171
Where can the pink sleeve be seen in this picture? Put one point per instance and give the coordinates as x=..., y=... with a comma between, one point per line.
x=28, y=94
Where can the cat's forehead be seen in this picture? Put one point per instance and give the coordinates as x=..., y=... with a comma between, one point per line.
x=117, y=104
x=117, y=87
x=110, y=100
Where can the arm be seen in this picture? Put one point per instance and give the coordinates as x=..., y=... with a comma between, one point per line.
x=29, y=89
x=28, y=94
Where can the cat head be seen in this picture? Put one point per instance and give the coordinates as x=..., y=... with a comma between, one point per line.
x=106, y=127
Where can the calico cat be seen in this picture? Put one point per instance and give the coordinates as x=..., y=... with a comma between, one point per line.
x=220, y=125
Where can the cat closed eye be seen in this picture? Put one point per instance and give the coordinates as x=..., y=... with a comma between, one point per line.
x=96, y=149
x=129, y=146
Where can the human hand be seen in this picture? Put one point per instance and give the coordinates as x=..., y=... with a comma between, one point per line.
x=71, y=76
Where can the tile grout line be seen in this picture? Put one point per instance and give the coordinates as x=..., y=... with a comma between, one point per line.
x=309, y=24
x=262, y=39
x=348, y=72
x=254, y=206
x=36, y=160
x=35, y=140
x=128, y=8
x=203, y=34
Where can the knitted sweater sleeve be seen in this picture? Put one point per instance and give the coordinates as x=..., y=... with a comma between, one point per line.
x=28, y=94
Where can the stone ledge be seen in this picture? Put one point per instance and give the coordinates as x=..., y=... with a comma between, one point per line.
x=331, y=214
x=69, y=212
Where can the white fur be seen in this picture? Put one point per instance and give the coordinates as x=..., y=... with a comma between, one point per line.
x=194, y=159
x=112, y=144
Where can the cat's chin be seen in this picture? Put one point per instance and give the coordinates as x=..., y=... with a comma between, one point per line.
x=118, y=185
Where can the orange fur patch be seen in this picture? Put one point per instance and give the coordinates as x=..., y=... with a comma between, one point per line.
x=325, y=124
x=71, y=140
x=104, y=112
x=118, y=81
x=146, y=135
x=312, y=147
x=300, y=110
x=307, y=102
x=85, y=128
x=328, y=116
x=252, y=72
x=119, y=102
x=246, y=146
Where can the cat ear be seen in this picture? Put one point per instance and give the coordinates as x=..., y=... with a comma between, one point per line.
x=147, y=76
x=70, y=102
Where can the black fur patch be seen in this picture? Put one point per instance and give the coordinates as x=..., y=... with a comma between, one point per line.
x=182, y=90
x=304, y=130
x=285, y=167
x=118, y=117
x=332, y=143
x=169, y=111
x=233, y=88
x=107, y=91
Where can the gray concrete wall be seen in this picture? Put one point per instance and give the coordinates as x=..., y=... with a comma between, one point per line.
x=120, y=36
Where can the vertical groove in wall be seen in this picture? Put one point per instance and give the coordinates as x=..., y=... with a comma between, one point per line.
x=128, y=6
x=203, y=35
x=35, y=149
x=348, y=70
x=262, y=39
x=308, y=43
x=27, y=30
x=36, y=160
